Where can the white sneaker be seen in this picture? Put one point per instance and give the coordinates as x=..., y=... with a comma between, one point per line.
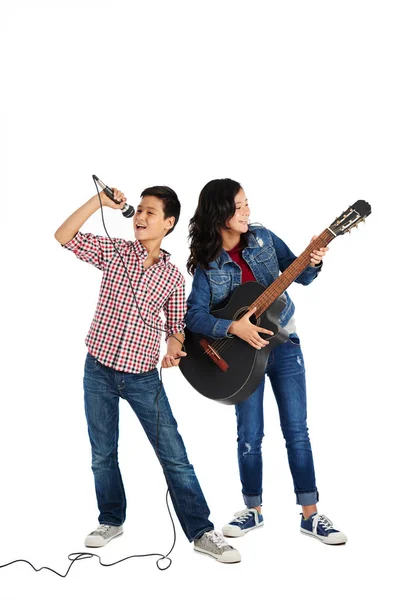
x=102, y=535
x=213, y=544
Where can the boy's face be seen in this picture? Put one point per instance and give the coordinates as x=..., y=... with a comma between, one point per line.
x=149, y=222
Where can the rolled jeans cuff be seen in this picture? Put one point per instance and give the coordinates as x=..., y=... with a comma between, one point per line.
x=201, y=533
x=252, y=501
x=307, y=498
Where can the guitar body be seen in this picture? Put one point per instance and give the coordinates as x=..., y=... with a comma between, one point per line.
x=246, y=365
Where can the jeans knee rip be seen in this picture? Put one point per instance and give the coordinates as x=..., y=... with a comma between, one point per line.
x=248, y=449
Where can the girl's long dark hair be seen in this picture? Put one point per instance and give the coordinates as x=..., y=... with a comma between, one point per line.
x=216, y=206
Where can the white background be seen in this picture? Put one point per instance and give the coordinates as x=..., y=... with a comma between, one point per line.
x=299, y=101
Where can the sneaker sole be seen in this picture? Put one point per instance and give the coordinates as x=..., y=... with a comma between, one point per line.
x=103, y=542
x=322, y=539
x=233, y=531
x=218, y=557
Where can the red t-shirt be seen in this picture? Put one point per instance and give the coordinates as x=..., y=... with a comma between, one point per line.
x=236, y=255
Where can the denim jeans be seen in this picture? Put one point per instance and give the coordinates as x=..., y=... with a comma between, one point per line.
x=286, y=372
x=103, y=387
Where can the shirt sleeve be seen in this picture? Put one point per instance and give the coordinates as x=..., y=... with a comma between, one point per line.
x=174, y=310
x=93, y=249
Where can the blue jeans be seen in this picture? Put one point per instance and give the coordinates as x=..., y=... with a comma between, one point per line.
x=103, y=387
x=286, y=372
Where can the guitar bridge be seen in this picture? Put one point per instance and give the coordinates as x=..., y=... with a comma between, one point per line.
x=213, y=354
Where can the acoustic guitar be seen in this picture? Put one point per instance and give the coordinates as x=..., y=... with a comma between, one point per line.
x=228, y=369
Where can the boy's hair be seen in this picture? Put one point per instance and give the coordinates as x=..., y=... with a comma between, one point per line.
x=171, y=204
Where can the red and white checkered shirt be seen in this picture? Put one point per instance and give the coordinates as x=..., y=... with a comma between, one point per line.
x=117, y=337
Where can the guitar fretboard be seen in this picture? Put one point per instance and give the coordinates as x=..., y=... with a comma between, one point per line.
x=277, y=288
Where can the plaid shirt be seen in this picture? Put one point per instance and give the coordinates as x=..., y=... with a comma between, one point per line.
x=117, y=337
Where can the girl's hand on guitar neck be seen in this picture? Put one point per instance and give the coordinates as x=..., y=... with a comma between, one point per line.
x=248, y=332
x=317, y=255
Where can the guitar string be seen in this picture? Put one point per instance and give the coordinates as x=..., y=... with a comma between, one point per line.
x=222, y=345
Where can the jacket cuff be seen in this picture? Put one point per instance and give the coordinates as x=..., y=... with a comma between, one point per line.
x=220, y=328
x=319, y=266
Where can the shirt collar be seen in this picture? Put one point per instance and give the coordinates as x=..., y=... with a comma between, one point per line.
x=142, y=253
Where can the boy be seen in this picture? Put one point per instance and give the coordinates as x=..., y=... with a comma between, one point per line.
x=123, y=350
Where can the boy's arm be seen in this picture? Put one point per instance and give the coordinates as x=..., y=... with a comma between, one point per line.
x=174, y=310
x=72, y=225
x=174, y=351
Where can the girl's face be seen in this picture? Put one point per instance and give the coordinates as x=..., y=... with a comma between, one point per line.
x=239, y=223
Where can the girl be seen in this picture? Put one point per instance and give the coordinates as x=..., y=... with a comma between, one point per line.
x=226, y=251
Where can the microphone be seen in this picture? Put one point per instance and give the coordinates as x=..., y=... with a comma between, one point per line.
x=128, y=211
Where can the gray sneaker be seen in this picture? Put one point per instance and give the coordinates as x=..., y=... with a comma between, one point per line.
x=102, y=535
x=213, y=543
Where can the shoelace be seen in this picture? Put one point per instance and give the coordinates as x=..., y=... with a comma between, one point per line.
x=102, y=529
x=242, y=515
x=323, y=520
x=216, y=538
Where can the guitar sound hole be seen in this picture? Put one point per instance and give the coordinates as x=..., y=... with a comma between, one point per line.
x=254, y=320
x=242, y=311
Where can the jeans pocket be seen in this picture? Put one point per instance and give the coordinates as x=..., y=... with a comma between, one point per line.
x=148, y=381
x=294, y=340
x=91, y=364
x=147, y=375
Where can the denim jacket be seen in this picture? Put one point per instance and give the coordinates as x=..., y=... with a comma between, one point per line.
x=266, y=255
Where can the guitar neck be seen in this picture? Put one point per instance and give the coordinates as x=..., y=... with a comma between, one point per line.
x=280, y=284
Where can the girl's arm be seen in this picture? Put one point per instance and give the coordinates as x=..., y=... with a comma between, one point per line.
x=286, y=257
x=198, y=317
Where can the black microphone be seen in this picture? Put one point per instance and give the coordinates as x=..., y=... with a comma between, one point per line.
x=128, y=211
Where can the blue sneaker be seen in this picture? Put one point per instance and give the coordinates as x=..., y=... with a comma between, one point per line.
x=244, y=521
x=320, y=527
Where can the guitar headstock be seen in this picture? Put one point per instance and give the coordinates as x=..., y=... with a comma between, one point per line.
x=350, y=218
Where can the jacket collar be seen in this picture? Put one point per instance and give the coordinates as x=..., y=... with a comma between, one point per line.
x=224, y=257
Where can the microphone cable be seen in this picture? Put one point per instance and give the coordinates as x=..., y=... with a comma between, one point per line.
x=77, y=556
